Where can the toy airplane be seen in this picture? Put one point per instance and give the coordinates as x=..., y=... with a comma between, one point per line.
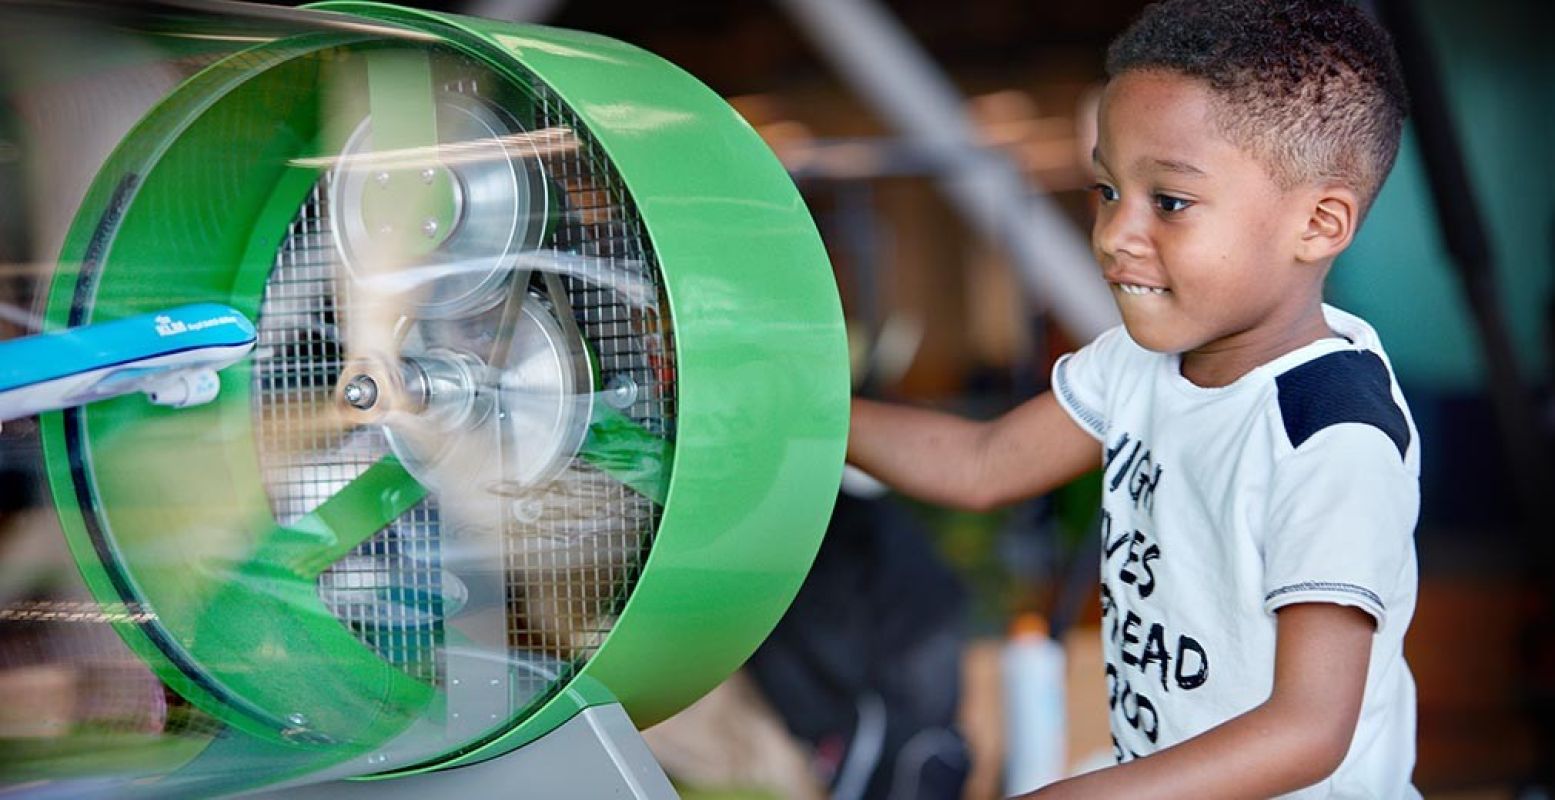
x=171, y=355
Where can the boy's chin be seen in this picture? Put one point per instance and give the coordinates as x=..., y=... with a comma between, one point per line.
x=1153, y=338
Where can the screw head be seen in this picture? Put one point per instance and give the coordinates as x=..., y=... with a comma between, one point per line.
x=427, y=175
x=620, y=391
x=527, y=509
x=361, y=392
x=429, y=227
x=382, y=179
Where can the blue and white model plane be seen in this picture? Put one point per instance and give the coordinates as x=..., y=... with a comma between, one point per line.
x=171, y=355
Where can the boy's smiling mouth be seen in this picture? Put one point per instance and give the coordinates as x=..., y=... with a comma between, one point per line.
x=1140, y=289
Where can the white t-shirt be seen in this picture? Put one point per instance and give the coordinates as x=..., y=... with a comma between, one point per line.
x=1297, y=483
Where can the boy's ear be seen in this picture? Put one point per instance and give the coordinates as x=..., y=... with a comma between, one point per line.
x=1333, y=215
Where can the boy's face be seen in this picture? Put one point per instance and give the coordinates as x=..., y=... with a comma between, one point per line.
x=1194, y=236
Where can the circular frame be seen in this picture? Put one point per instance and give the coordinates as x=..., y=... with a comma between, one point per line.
x=762, y=379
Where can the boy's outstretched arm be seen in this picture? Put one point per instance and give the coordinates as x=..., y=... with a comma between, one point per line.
x=1296, y=738
x=947, y=460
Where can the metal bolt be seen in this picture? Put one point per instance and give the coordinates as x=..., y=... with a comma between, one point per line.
x=429, y=227
x=297, y=719
x=382, y=178
x=361, y=392
x=620, y=391
x=427, y=175
x=527, y=509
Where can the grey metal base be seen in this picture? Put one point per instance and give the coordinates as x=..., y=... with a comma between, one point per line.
x=596, y=755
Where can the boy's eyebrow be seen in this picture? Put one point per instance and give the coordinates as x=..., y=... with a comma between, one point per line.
x=1170, y=165
x=1179, y=167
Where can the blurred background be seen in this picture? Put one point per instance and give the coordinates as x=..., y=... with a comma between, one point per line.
x=943, y=149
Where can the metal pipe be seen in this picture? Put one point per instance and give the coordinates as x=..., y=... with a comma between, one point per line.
x=880, y=59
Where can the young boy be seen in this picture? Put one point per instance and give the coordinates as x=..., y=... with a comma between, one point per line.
x=1260, y=468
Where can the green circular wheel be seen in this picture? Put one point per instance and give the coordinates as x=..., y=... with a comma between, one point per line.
x=548, y=408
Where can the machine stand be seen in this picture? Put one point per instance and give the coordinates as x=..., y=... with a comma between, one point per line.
x=596, y=755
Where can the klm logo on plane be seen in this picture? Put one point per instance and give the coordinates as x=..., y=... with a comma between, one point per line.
x=167, y=326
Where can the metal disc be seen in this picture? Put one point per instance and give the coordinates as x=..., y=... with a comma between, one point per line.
x=499, y=199
x=527, y=419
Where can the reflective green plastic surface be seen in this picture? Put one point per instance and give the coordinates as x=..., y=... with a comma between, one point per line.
x=762, y=383
x=158, y=504
x=761, y=352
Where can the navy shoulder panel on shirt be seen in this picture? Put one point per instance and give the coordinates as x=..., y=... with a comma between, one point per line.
x=1347, y=386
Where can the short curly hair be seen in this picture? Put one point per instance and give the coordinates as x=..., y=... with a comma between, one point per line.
x=1310, y=87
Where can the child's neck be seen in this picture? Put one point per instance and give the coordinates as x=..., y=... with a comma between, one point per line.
x=1223, y=362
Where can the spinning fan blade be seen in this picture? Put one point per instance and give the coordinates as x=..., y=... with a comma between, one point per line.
x=353, y=514
x=395, y=212
x=414, y=530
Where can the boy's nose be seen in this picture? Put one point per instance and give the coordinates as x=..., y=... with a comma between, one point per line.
x=1119, y=233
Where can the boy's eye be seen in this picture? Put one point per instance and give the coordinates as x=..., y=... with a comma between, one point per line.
x=1170, y=204
x=1107, y=193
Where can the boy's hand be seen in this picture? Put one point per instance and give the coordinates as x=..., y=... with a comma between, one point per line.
x=961, y=463
x=1296, y=738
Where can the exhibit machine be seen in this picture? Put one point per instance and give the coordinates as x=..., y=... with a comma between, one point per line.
x=436, y=403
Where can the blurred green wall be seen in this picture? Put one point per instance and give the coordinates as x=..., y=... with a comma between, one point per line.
x=1498, y=64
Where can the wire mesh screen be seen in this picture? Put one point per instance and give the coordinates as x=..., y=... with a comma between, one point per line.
x=574, y=546
x=387, y=590
x=571, y=568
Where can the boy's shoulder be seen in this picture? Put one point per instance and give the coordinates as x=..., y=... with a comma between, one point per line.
x=1334, y=382
x=1351, y=385
x=1339, y=387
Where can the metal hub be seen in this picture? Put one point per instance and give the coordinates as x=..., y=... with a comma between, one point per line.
x=463, y=424
x=361, y=392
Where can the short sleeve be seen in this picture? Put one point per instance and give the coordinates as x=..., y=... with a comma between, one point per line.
x=1080, y=380
x=1341, y=519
